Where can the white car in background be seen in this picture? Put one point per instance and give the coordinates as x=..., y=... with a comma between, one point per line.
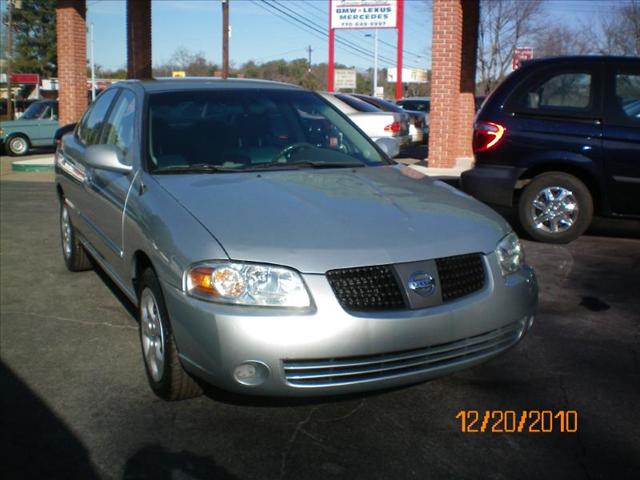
x=376, y=124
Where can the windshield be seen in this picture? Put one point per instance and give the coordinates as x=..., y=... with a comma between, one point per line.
x=37, y=110
x=241, y=130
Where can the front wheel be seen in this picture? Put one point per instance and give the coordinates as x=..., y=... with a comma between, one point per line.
x=165, y=373
x=75, y=256
x=555, y=207
x=17, y=146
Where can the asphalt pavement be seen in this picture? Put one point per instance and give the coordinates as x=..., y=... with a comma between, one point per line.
x=75, y=402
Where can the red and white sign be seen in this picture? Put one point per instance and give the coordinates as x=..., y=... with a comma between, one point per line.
x=520, y=54
x=349, y=14
x=25, y=78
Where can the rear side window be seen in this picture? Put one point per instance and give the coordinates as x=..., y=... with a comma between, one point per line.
x=417, y=106
x=627, y=95
x=558, y=92
x=562, y=91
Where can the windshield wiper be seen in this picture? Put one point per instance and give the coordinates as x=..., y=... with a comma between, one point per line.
x=197, y=168
x=305, y=164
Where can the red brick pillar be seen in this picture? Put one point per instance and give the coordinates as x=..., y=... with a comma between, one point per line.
x=454, y=45
x=139, y=39
x=72, y=59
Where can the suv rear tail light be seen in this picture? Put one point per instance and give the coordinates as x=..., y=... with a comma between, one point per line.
x=394, y=127
x=487, y=135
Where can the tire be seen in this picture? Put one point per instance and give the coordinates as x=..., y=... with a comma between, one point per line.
x=555, y=207
x=17, y=145
x=167, y=378
x=75, y=256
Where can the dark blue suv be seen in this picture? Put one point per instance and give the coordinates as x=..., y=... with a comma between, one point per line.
x=560, y=140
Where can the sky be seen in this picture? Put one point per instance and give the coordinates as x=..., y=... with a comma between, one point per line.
x=259, y=34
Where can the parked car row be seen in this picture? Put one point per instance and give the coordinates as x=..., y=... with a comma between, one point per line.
x=372, y=121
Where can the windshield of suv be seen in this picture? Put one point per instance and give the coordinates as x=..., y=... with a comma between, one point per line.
x=37, y=110
x=251, y=129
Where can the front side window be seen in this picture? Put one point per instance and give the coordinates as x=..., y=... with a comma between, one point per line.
x=91, y=124
x=247, y=129
x=627, y=95
x=119, y=128
x=570, y=91
x=37, y=111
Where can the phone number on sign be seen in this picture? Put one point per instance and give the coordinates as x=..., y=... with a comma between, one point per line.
x=510, y=421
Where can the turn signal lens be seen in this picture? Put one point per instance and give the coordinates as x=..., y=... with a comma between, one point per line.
x=487, y=135
x=247, y=284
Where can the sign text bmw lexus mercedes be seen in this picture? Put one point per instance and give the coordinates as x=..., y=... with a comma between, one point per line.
x=372, y=14
x=363, y=14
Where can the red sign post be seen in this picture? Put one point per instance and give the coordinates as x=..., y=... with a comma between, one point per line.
x=365, y=14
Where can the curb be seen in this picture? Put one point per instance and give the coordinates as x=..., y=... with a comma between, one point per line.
x=40, y=165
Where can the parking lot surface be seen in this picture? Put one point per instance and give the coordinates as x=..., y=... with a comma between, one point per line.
x=75, y=402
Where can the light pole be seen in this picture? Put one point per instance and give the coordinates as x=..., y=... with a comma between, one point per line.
x=375, y=60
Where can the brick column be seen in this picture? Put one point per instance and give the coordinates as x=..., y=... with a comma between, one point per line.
x=139, y=39
x=454, y=45
x=72, y=59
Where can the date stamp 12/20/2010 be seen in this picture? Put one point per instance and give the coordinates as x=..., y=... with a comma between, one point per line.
x=510, y=421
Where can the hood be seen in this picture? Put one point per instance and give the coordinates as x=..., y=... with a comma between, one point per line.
x=318, y=220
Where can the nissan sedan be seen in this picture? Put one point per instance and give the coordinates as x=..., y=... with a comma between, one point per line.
x=272, y=248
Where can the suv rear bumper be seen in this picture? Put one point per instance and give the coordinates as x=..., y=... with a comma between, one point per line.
x=491, y=184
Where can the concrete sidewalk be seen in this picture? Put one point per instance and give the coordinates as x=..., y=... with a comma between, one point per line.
x=446, y=173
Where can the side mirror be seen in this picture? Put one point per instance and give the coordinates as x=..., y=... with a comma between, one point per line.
x=62, y=131
x=106, y=157
x=389, y=146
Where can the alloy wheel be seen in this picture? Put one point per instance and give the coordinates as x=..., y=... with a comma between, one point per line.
x=65, y=227
x=152, y=334
x=554, y=209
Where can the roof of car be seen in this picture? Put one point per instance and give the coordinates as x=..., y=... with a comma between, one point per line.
x=414, y=99
x=579, y=58
x=198, y=83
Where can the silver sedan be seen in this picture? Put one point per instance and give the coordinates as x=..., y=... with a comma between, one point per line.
x=273, y=249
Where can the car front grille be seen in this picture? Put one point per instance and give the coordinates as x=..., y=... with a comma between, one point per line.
x=378, y=289
x=367, y=288
x=460, y=275
x=352, y=370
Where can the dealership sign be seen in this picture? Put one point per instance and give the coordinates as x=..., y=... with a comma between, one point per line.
x=409, y=75
x=345, y=78
x=520, y=54
x=363, y=13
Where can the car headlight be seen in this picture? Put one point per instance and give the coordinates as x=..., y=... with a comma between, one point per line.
x=247, y=284
x=1, y=132
x=510, y=254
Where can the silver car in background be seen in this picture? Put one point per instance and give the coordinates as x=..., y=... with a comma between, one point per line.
x=372, y=121
x=271, y=248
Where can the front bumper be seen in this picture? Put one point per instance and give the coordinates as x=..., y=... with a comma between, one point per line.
x=298, y=349
x=491, y=184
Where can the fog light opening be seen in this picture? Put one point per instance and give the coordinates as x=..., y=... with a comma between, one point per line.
x=251, y=373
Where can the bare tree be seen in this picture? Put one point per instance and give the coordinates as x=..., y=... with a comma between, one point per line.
x=504, y=25
x=558, y=39
x=620, y=29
